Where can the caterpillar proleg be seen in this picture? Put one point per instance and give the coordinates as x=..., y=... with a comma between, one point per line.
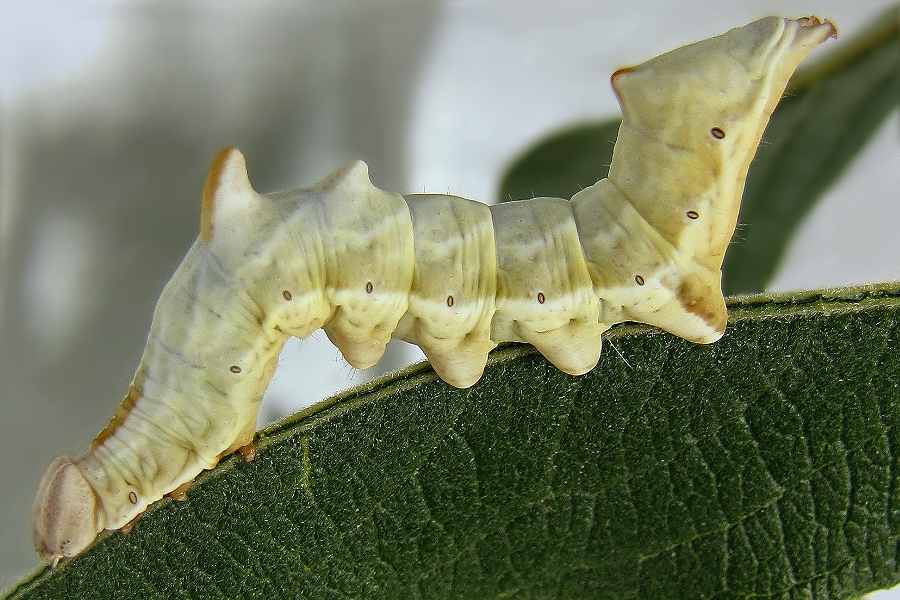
x=452, y=275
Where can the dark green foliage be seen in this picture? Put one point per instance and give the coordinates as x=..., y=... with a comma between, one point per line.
x=760, y=466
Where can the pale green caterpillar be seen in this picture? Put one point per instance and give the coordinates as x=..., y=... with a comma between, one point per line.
x=452, y=275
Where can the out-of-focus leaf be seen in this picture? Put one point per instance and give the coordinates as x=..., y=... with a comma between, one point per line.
x=562, y=164
x=826, y=117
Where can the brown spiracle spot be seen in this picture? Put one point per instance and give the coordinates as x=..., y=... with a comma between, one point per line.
x=369, y=287
x=541, y=298
x=235, y=369
x=132, y=497
x=693, y=214
x=449, y=300
x=639, y=280
x=287, y=295
x=717, y=133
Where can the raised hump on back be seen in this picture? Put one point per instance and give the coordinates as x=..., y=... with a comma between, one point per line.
x=227, y=196
x=353, y=175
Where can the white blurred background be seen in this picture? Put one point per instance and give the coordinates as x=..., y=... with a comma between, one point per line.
x=111, y=111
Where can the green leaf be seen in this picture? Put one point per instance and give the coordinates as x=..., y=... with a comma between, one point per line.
x=826, y=117
x=760, y=466
x=828, y=113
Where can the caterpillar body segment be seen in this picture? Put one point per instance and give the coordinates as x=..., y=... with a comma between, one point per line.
x=453, y=296
x=452, y=275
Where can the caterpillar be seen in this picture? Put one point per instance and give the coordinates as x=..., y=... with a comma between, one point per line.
x=452, y=275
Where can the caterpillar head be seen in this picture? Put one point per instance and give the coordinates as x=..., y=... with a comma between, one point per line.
x=65, y=516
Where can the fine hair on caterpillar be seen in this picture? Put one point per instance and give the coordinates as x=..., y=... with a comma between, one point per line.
x=454, y=276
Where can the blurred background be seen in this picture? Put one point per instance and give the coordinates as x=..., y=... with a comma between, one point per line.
x=111, y=112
